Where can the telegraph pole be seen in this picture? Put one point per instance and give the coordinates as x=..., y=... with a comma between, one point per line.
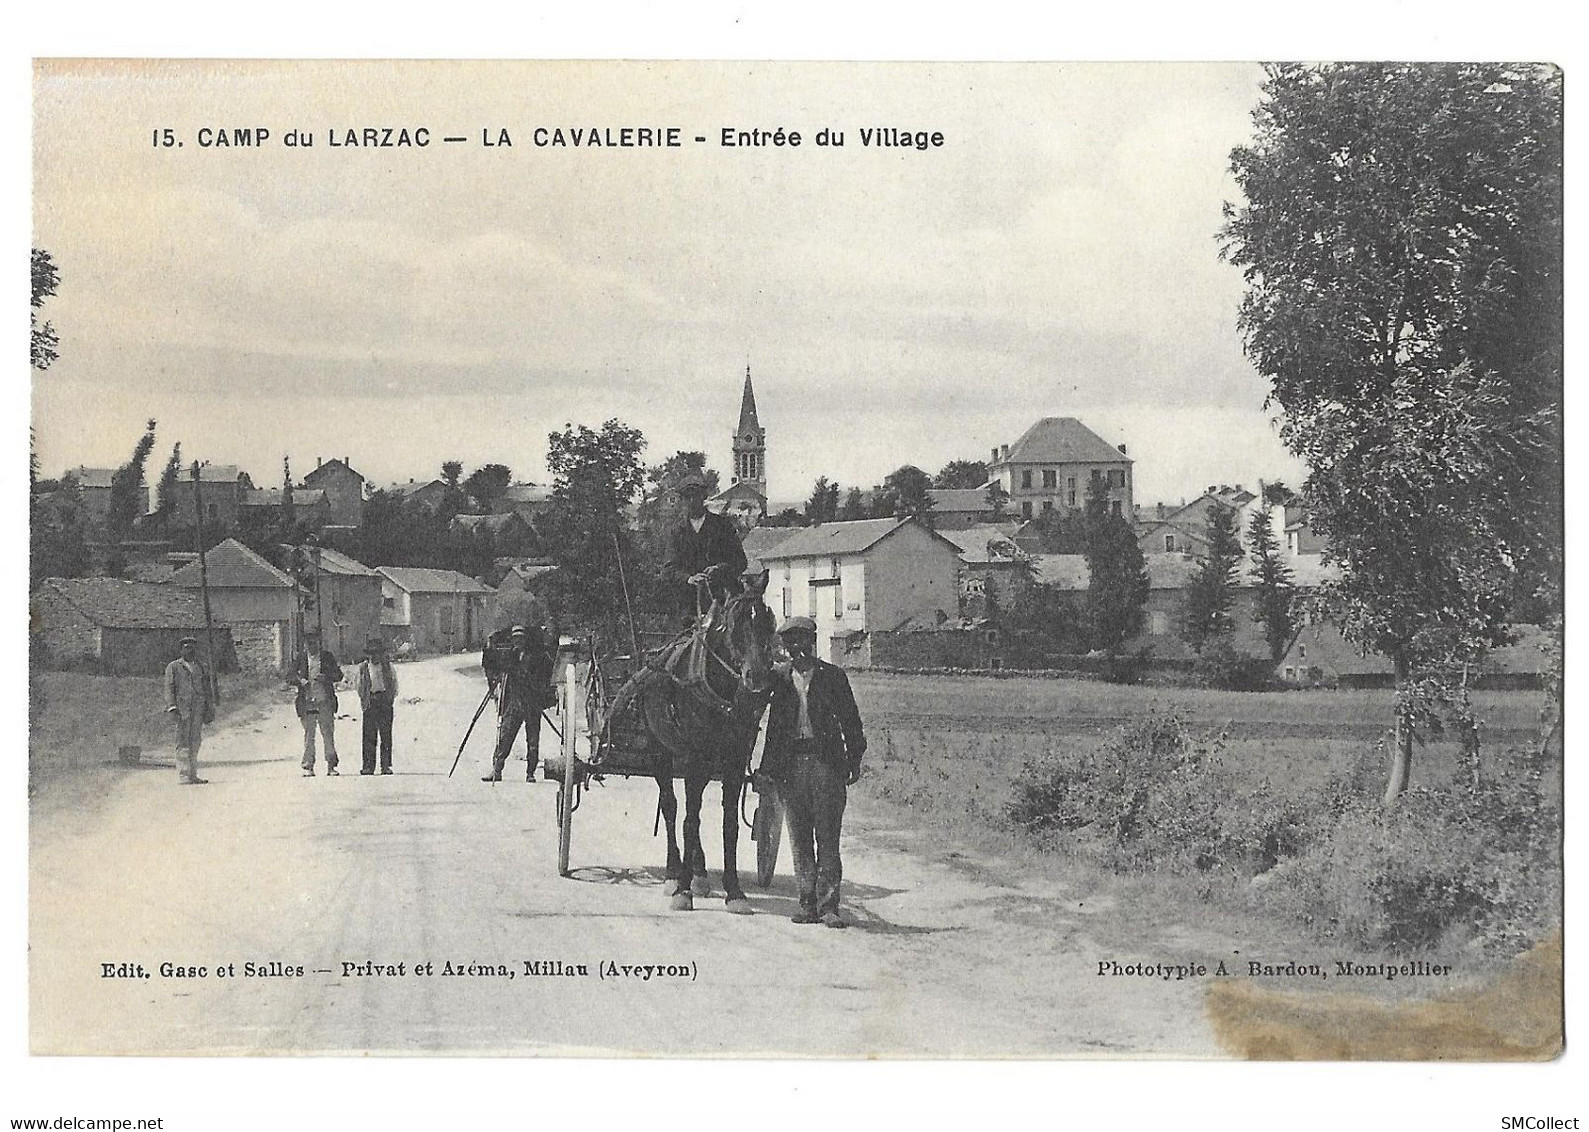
x=204, y=588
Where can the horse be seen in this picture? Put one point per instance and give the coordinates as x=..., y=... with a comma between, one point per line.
x=701, y=700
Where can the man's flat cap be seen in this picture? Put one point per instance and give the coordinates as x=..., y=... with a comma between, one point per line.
x=690, y=480
x=797, y=625
x=188, y=641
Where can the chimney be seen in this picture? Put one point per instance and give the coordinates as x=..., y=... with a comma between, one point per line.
x=317, y=461
x=995, y=454
x=1122, y=448
x=1161, y=510
x=1005, y=453
x=348, y=460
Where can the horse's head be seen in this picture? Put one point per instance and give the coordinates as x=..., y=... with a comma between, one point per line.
x=750, y=632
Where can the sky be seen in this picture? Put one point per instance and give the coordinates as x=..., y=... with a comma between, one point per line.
x=1056, y=256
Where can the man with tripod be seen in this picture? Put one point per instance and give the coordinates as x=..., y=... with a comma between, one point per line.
x=519, y=666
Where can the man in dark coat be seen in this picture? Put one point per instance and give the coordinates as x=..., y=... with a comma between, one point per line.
x=519, y=665
x=703, y=547
x=317, y=676
x=377, y=684
x=813, y=752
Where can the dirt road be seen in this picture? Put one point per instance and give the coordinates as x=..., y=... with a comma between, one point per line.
x=952, y=953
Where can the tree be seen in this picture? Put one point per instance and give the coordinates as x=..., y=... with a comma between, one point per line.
x=170, y=478
x=1277, y=494
x=46, y=278
x=486, y=484
x=453, y=498
x=1276, y=596
x=961, y=473
x=289, y=512
x=1401, y=240
x=1117, y=580
x=1206, y=613
x=904, y=493
x=823, y=504
x=854, y=506
x=595, y=476
x=58, y=541
x=127, y=487
x=998, y=499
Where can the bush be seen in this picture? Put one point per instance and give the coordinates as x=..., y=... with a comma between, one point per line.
x=1220, y=665
x=1447, y=864
x=1156, y=796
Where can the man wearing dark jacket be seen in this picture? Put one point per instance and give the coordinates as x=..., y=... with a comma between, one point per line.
x=519, y=665
x=703, y=547
x=813, y=752
x=317, y=676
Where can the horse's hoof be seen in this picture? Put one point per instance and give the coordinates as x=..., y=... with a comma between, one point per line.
x=739, y=906
x=700, y=886
x=681, y=902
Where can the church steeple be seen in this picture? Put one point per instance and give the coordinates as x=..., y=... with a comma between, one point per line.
x=750, y=444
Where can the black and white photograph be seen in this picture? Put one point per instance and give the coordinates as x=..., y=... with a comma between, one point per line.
x=815, y=560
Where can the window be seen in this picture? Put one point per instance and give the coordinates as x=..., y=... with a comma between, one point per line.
x=1117, y=477
x=388, y=601
x=1050, y=477
x=1026, y=509
x=996, y=662
x=788, y=598
x=1302, y=651
x=1026, y=480
x=1048, y=505
x=1291, y=673
x=838, y=593
x=1070, y=491
x=1097, y=477
x=1169, y=544
x=1158, y=623
x=1114, y=507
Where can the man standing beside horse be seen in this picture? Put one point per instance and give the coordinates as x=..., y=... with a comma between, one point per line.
x=702, y=547
x=813, y=752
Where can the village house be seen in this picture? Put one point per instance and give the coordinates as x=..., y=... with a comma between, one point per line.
x=257, y=601
x=263, y=506
x=120, y=627
x=429, y=494
x=519, y=575
x=222, y=487
x=349, y=600
x=1320, y=656
x=954, y=508
x=434, y=610
x=528, y=501
x=1183, y=529
x=1054, y=464
x=509, y=531
x=858, y=577
x=93, y=486
x=344, y=487
x=993, y=570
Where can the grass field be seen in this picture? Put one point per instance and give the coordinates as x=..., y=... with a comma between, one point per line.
x=948, y=743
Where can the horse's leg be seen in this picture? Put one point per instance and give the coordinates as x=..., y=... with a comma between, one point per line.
x=670, y=814
x=733, y=787
x=700, y=884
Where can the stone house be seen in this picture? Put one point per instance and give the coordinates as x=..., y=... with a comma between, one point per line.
x=349, y=601
x=344, y=487
x=1053, y=464
x=120, y=627
x=222, y=488
x=854, y=577
x=257, y=601
x=93, y=485
x=434, y=610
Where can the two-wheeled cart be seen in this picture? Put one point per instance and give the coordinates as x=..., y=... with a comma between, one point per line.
x=597, y=742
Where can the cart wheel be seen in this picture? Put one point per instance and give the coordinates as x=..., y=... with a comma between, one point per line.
x=570, y=709
x=766, y=830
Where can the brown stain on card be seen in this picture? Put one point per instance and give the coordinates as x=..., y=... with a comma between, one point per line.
x=1516, y=1017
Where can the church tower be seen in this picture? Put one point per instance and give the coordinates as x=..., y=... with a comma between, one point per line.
x=750, y=445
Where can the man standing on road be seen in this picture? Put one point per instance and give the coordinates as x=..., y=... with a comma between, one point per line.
x=703, y=547
x=188, y=699
x=520, y=668
x=813, y=752
x=377, y=692
x=317, y=676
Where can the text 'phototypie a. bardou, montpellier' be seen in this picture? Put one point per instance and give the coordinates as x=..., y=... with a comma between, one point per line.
x=545, y=137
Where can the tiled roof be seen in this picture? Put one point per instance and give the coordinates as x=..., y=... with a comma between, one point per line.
x=1328, y=649
x=960, y=499
x=335, y=562
x=760, y=540
x=211, y=473
x=116, y=604
x=523, y=493
x=1063, y=440
x=411, y=487
x=334, y=462
x=419, y=579
x=978, y=543
x=271, y=497
x=231, y=565
x=828, y=539
x=92, y=477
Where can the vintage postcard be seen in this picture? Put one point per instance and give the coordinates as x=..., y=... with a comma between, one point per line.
x=865, y=560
